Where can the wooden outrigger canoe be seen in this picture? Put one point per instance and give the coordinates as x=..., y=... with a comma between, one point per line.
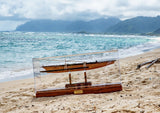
x=82, y=87
x=76, y=67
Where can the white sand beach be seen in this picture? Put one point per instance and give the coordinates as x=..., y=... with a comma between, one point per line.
x=140, y=94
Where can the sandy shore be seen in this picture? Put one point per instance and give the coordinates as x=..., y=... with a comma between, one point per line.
x=141, y=92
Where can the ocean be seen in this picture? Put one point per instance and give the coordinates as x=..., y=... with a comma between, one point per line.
x=18, y=48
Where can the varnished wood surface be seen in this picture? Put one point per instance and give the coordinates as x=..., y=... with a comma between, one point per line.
x=76, y=67
x=105, y=88
x=78, y=84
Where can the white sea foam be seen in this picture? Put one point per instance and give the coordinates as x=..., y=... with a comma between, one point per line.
x=14, y=74
x=139, y=49
x=18, y=48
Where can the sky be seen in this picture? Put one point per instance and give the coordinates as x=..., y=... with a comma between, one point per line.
x=16, y=12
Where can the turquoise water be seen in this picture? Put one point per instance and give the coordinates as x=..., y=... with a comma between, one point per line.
x=18, y=48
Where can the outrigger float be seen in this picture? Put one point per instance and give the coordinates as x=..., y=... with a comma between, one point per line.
x=82, y=87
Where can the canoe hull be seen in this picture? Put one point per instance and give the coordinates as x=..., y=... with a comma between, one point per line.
x=76, y=67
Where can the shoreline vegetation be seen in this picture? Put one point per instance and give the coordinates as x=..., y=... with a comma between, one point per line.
x=141, y=90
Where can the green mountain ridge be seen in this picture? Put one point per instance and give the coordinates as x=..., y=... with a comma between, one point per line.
x=93, y=26
x=136, y=25
x=157, y=32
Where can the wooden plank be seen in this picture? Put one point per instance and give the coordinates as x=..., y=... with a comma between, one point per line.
x=106, y=88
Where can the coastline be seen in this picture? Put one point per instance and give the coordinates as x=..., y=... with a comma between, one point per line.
x=141, y=90
x=16, y=62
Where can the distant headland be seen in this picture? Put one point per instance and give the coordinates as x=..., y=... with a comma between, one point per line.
x=138, y=25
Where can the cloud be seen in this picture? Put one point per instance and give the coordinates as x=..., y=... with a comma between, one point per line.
x=78, y=9
x=9, y=25
x=19, y=11
x=14, y=18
